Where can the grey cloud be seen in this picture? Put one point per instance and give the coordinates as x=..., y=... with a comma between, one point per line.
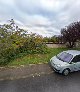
x=41, y=18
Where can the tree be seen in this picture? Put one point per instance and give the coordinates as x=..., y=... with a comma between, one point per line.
x=71, y=33
x=14, y=40
x=11, y=37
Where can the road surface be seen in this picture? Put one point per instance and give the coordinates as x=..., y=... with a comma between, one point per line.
x=52, y=82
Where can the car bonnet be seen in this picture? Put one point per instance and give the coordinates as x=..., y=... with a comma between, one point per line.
x=56, y=61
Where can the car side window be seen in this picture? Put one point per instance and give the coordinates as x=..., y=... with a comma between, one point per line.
x=76, y=59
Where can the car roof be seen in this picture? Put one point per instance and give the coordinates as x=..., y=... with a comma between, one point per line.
x=73, y=52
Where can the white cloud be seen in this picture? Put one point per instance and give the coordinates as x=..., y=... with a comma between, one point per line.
x=40, y=25
x=7, y=2
x=37, y=20
x=51, y=5
x=43, y=31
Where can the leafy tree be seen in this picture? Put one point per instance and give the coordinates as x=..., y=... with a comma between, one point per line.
x=14, y=40
x=71, y=33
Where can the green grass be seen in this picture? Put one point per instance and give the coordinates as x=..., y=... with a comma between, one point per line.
x=36, y=58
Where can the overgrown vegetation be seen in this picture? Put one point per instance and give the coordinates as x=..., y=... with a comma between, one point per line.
x=37, y=58
x=14, y=41
x=18, y=47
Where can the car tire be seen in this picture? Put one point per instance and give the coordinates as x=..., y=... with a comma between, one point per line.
x=65, y=72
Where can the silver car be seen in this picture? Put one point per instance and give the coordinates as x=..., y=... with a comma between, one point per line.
x=66, y=62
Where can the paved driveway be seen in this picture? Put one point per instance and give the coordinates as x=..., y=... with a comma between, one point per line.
x=45, y=82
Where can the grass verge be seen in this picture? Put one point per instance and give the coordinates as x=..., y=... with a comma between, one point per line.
x=37, y=58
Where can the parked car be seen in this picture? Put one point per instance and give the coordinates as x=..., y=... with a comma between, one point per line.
x=66, y=62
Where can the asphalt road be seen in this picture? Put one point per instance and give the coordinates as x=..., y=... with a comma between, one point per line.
x=43, y=83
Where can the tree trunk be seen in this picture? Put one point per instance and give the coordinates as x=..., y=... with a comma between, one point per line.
x=71, y=44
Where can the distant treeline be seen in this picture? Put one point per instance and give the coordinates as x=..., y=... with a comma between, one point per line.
x=56, y=39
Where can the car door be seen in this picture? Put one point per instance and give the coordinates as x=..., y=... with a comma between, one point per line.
x=76, y=63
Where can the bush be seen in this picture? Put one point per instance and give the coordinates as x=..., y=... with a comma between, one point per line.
x=17, y=41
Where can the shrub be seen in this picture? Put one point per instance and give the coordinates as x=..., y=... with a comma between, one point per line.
x=14, y=41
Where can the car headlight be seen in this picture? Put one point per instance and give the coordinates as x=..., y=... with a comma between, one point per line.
x=58, y=65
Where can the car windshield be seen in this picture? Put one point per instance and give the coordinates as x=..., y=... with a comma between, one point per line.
x=66, y=57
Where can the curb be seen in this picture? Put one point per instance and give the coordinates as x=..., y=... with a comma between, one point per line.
x=4, y=67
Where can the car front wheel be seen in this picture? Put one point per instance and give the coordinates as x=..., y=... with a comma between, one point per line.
x=65, y=71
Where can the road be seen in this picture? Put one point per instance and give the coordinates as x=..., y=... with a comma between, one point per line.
x=52, y=82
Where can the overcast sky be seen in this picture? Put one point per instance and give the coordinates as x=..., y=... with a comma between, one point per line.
x=44, y=17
